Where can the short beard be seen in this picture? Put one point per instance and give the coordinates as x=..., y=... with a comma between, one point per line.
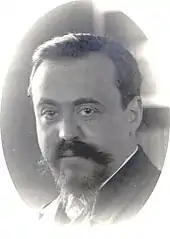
x=78, y=209
x=77, y=200
x=77, y=193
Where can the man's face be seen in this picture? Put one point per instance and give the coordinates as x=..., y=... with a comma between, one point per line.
x=82, y=128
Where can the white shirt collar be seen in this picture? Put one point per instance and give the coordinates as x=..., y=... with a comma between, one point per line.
x=127, y=159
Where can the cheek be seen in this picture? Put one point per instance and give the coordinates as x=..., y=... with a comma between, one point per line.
x=47, y=140
x=42, y=141
x=118, y=126
x=108, y=131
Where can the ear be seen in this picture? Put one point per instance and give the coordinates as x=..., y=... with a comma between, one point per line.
x=135, y=112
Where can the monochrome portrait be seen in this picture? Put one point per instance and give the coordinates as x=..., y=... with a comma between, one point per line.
x=81, y=142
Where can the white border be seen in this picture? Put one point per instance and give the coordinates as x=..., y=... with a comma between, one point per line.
x=152, y=17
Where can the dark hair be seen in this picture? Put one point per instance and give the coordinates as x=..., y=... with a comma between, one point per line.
x=80, y=44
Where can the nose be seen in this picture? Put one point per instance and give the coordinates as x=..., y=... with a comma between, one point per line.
x=69, y=129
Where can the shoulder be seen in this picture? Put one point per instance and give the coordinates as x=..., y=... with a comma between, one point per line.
x=143, y=177
x=49, y=209
x=145, y=164
x=138, y=175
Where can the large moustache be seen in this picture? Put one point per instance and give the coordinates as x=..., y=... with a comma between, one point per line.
x=81, y=149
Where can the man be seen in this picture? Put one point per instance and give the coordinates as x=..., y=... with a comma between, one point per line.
x=85, y=91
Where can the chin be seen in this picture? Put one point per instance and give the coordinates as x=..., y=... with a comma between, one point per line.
x=77, y=199
x=78, y=176
x=73, y=183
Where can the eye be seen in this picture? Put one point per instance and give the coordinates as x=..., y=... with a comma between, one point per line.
x=87, y=112
x=49, y=114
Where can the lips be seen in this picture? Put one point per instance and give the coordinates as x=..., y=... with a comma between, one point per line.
x=68, y=153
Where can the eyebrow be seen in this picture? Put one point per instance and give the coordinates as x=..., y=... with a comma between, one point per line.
x=77, y=102
x=86, y=101
x=47, y=101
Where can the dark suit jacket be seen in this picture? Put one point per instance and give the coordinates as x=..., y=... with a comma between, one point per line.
x=125, y=194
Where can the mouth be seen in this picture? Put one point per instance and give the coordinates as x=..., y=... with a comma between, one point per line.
x=67, y=154
x=73, y=165
x=70, y=158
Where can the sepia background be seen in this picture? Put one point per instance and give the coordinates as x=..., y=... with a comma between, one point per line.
x=17, y=119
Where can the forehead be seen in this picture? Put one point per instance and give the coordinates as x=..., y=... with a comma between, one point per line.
x=68, y=79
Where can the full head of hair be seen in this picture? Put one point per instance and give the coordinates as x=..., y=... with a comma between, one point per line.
x=81, y=44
